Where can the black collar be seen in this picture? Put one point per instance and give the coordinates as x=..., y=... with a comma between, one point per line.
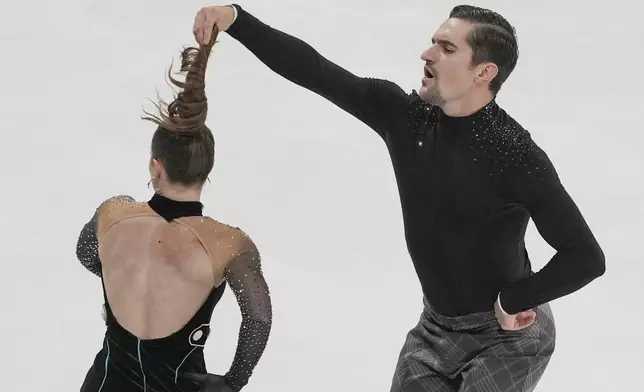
x=172, y=209
x=430, y=114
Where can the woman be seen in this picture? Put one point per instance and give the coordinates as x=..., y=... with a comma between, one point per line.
x=164, y=266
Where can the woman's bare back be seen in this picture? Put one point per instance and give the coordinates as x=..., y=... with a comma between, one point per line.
x=157, y=274
x=163, y=266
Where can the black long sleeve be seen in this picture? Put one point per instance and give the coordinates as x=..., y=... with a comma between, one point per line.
x=578, y=260
x=245, y=277
x=375, y=102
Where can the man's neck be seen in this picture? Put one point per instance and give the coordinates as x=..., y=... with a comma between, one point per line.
x=467, y=105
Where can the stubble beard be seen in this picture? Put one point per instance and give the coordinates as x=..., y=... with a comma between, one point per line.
x=432, y=95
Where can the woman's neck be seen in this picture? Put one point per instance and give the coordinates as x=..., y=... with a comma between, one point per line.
x=185, y=194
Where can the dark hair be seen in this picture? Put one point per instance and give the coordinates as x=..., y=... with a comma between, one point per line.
x=492, y=39
x=182, y=142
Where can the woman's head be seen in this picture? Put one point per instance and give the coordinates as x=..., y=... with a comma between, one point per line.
x=183, y=147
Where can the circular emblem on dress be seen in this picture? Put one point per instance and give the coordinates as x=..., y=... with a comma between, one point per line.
x=199, y=335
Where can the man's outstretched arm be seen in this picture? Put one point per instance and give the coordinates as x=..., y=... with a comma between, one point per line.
x=376, y=102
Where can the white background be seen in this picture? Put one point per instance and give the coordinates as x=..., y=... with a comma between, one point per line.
x=313, y=186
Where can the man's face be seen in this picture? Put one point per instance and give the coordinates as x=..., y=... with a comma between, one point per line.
x=448, y=72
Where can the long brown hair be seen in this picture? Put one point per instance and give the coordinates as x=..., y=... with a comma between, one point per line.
x=182, y=142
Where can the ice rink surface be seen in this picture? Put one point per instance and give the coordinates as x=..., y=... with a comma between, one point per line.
x=313, y=186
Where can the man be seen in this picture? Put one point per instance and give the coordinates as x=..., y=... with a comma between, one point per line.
x=470, y=178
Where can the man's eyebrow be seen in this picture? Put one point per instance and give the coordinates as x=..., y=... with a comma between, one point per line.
x=444, y=42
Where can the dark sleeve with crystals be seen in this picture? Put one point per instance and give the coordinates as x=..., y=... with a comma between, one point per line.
x=87, y=247
x=245, y=277
x=375, y=102
x=532, y=181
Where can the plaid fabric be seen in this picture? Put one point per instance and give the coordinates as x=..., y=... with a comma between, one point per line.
x=472, y=353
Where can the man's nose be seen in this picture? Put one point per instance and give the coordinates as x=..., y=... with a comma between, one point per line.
x=428, y=55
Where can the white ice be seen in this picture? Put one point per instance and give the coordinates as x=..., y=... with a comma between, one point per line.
x=313, y=186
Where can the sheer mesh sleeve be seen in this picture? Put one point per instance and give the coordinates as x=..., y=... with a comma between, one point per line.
x=244, y=275
x=87, y=244
x=87, y=247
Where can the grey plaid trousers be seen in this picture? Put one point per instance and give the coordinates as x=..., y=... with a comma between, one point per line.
x=472, y=353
